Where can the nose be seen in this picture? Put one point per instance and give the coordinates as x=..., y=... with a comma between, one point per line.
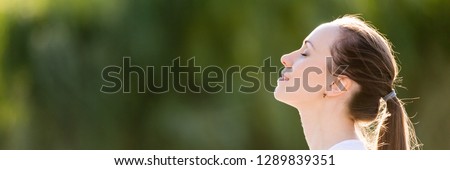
x=286, y=60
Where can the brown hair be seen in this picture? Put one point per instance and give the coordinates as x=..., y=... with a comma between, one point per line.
x=372, y=65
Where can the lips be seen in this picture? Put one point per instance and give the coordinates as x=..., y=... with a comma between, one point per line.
x=283, y=76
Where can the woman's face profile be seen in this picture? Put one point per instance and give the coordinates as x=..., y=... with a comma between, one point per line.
x=304, y=78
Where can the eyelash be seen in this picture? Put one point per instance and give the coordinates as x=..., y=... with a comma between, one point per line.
x=303, y=54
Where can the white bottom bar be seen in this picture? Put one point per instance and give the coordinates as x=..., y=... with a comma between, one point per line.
x=253, y=159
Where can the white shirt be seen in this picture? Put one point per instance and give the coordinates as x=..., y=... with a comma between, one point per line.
x=353, y=144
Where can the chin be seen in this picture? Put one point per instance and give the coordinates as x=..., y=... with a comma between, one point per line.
x=282, y=96
x=278, y=94
x=292, y=98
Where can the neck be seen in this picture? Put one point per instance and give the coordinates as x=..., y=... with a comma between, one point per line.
x=326, y=124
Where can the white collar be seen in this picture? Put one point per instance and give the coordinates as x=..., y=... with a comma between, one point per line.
x=352, y=144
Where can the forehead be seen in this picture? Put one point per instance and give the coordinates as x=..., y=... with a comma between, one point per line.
x=324, y=36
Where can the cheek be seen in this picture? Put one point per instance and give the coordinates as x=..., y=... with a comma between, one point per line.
x=312, y=75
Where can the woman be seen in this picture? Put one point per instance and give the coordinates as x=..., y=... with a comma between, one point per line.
x=342, y=83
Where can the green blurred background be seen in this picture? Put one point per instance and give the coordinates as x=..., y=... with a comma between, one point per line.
x=52, y=53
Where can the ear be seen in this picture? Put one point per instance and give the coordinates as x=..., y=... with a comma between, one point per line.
x=340, y=85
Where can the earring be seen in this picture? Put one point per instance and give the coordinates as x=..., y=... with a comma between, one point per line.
x=332, y=83
x=324, y=95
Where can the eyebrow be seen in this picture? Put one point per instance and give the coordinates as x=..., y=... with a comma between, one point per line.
x=310, y=43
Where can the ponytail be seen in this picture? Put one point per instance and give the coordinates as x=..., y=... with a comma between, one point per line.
x=396, y=131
